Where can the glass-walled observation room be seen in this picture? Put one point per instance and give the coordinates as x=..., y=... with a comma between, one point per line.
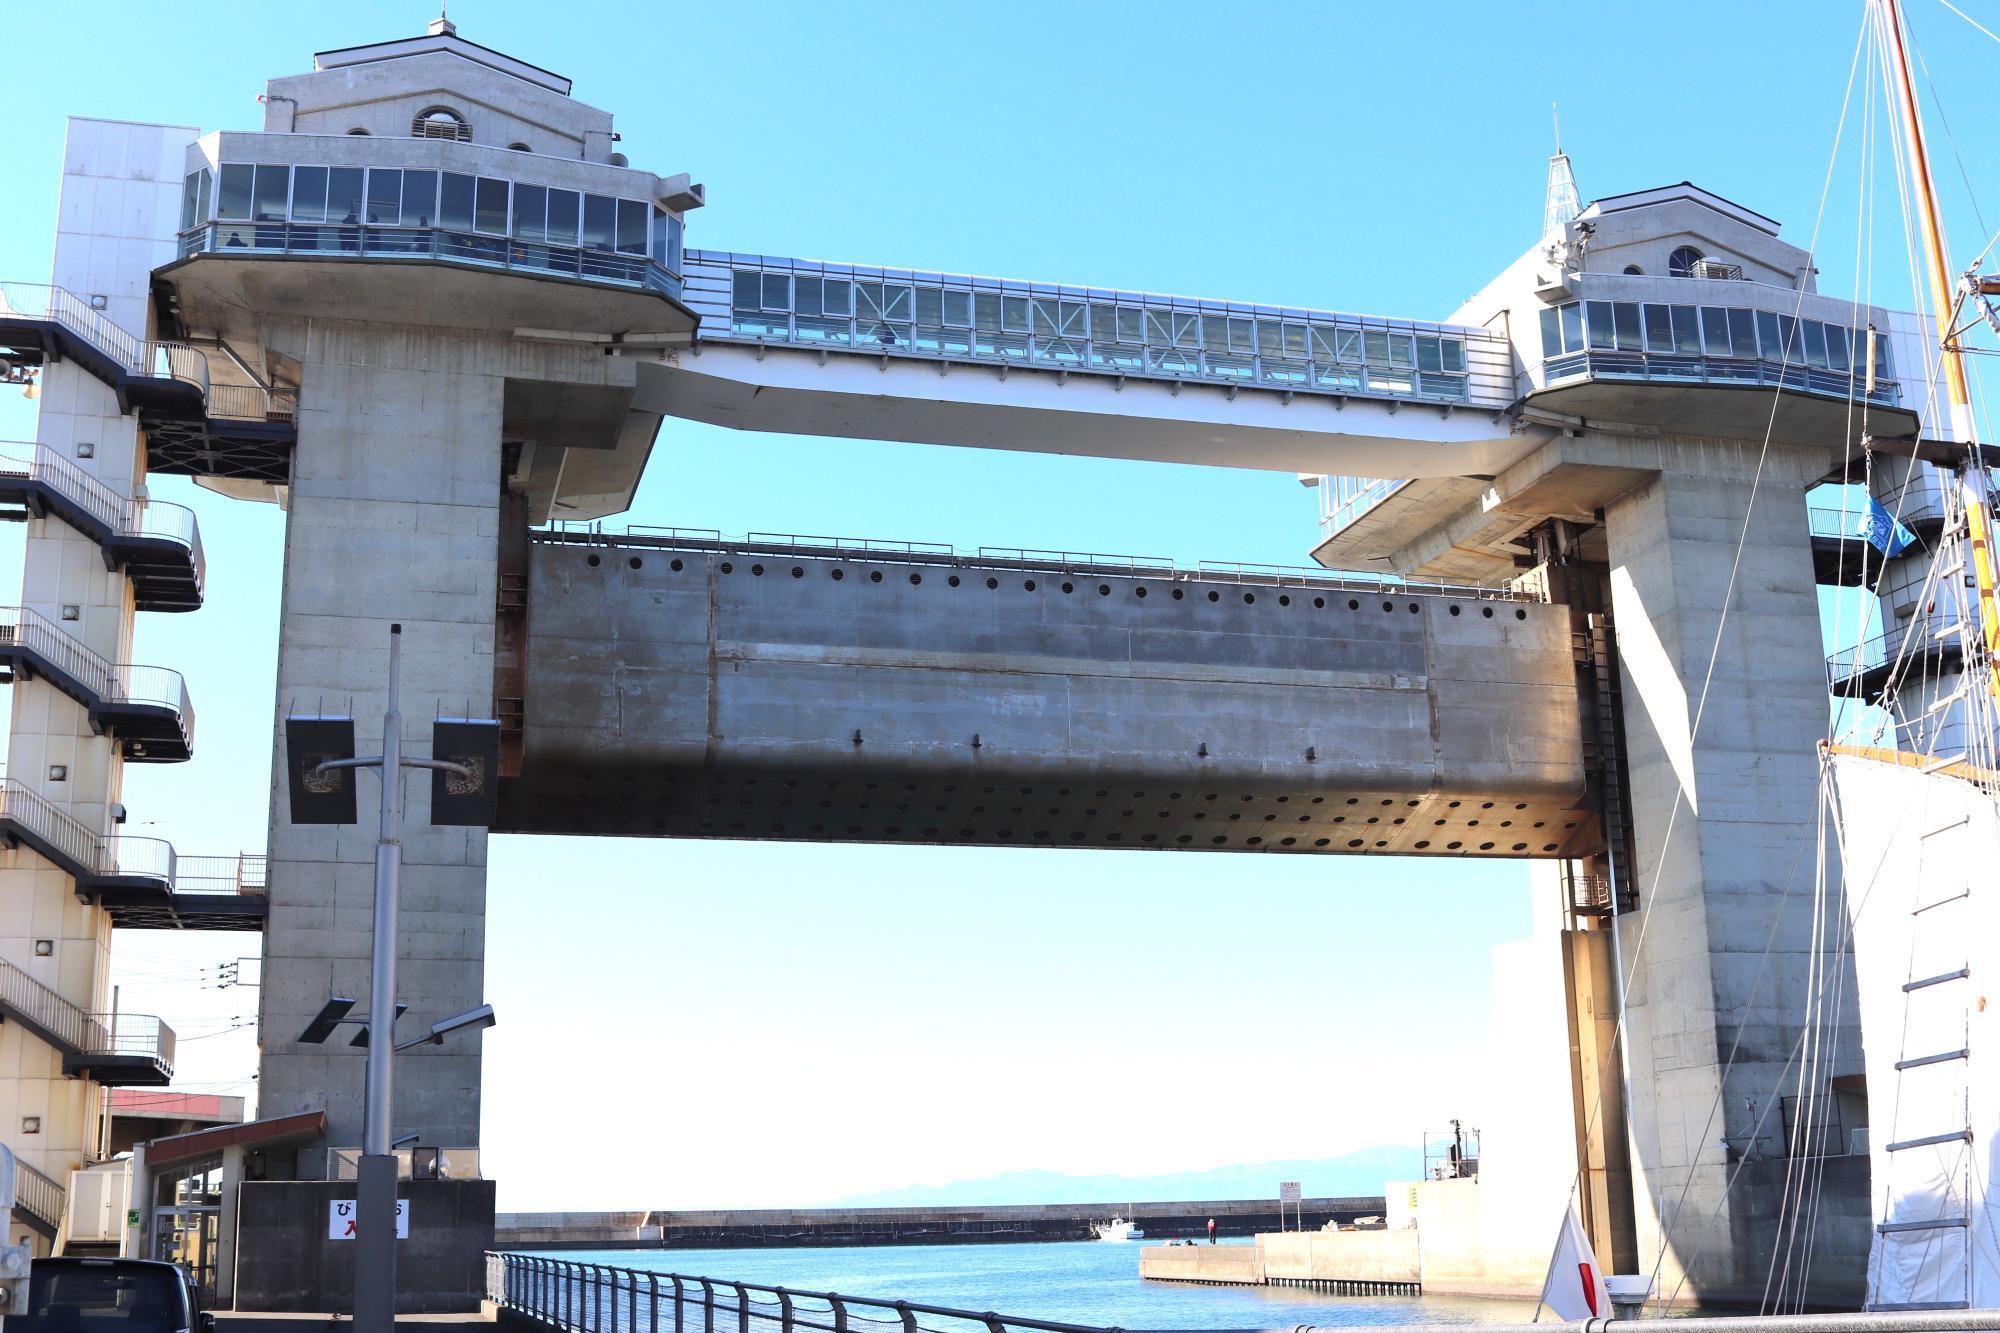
x=1653, y=340
x=400, y=211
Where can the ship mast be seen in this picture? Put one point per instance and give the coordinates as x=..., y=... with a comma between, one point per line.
x=1972, y=478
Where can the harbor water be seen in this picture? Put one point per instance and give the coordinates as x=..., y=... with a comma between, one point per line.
x=1080, y=1282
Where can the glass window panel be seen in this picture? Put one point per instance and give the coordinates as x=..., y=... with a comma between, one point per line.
x=269, y=189
x=564, y=210
x=1687, y=330
x=958, y=309
x=1014, y=314
x=1428, y=356
x=986, y=311
x=1836, y=347
x=1044, y=314
x=190, y=188
x=676, y=232
x=837, y=297
x=1788, y=329
x=1270, y=338
x=807, y=290
x=1131, y=324
x=1215, y=332
x=420, y=190
x=658, y=245
x=309, y=194
x=930, y=307
x=1323, y=343
x=385, y=196
x=748, y=289
x=1075, y=319
x=1767, y=336
x=455, y=210
x=896, y=303
x=1598, y=322
x=1160, y=328
x=1625, y=319
x=1714, y=330
x=343, y=194
x=202, y=199
x=777, y=291
x=1242, y=335
x=1815, y=340
x=1882, y=367
x=1349, y=344
x=1295, y=340
x=1403, y=349
x=1104, y=323
x=489, y=207
x=1659, y=328
x=1376, y=345
x=1454, y=354
x=631, y=227
x=1572, y=316
x=599, y=221
x=233, y=200
x=531, y=212
x=1742, y=333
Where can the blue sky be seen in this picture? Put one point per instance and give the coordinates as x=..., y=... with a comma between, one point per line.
x=817, y=1021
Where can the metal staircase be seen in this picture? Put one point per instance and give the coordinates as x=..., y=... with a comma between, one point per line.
x=141, y=882
x=193, y=426
x=117, y=1050
x=155, y=543
x=38, y=1200
x=145, y=707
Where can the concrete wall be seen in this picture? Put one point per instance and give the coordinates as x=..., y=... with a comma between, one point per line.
x=1339, y=1256
x=702, y=693
x=1234, y=1265
x=286, y=1263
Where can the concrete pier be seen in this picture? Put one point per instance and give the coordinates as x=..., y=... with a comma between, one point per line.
x=1345, y=1263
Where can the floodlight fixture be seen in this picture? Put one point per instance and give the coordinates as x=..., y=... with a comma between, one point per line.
x=471, y=1019
x=319, y=763
x=465, y=771
x=326, y=1020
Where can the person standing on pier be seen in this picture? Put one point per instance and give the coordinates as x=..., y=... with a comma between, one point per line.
x=1211, y=1231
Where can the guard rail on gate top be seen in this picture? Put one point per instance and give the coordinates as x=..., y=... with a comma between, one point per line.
x=862, y=549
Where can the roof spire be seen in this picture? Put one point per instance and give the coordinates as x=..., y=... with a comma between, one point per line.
x=1560, y=204
x=442, y=26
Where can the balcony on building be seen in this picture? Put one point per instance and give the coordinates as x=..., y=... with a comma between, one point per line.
x=156, y=544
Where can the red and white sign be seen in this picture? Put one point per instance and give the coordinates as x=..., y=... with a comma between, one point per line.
x=341, y=1213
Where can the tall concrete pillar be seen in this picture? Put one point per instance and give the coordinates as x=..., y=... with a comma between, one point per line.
x=1723, y=822
x=394, y=505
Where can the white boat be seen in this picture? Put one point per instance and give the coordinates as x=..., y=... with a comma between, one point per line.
x=1119, y=1229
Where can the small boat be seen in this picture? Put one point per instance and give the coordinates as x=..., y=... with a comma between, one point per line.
x=1118, y=1229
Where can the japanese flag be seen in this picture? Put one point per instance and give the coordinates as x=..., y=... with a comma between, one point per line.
x=1575, y=1286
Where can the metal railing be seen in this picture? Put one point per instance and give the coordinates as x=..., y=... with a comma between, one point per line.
x=58, y=830
x=1926, y=647
x=114, y=683
x=368, y=241
x=600, y=1298
x=1685, y=369
x=243, y=873
x=1345, y=499
x=79, y=1031
x=859, y=549
x=39, y=1195
x=123, y=517
x=137, y=357
x=97, y=857
x=1092, y=330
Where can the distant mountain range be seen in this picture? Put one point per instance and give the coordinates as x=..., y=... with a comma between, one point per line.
x=1359, y=1172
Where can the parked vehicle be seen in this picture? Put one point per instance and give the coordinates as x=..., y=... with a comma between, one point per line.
x=109, y=1296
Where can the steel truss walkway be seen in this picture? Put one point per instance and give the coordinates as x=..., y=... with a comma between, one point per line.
x=193, y=426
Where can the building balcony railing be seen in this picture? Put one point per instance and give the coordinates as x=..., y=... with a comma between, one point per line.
x=146, y=707
x=157, y=543
x=1927, y=649
x=958, y=317
x=368, y=241
x=115, y=1049
x=1673, y=368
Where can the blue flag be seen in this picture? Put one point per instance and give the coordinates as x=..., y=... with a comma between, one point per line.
x=1882, y=530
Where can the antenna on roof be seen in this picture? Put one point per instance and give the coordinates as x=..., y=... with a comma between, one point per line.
x=1560, y=205
x=442, y=26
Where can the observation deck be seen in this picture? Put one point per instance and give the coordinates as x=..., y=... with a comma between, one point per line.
x=142, y=882
x=194, y=426
x=157, y=544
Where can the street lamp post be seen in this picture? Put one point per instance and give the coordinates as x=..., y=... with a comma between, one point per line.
x=375, y=1183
